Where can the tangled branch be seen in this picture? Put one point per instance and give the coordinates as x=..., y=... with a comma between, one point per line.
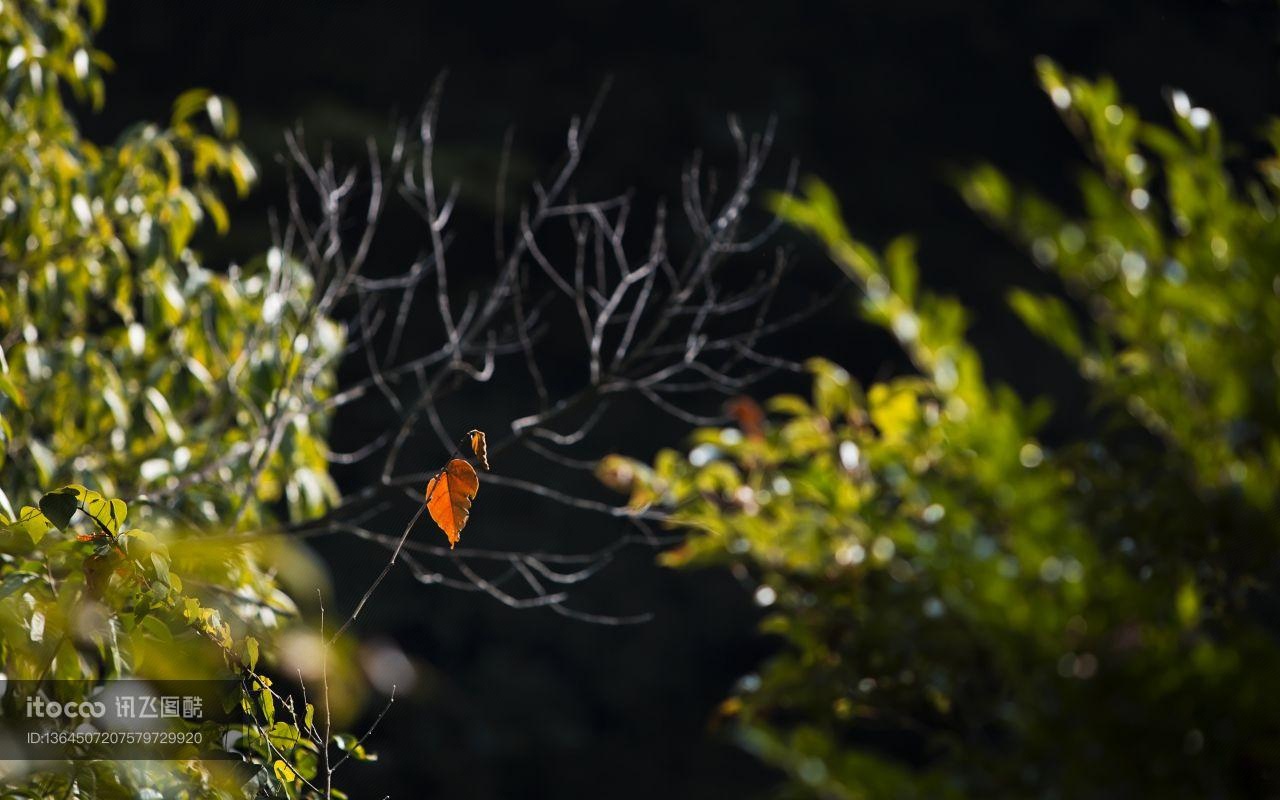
x=655, y=317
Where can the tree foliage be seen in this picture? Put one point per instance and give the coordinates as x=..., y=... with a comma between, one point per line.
x=129, y=367
x=971, y=611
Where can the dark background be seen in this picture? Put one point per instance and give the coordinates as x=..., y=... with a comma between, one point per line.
x=880, y=99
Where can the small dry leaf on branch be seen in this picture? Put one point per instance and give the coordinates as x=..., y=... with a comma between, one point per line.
x=748, y=414
x=479, y=446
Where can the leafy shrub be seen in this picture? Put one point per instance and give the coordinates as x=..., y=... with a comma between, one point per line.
x=969, y=611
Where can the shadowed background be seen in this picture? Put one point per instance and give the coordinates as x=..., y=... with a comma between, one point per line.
x=880, y=99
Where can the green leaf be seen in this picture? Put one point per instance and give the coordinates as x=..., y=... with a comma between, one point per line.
x=833, y=388
x=161, y=565
x=189, y=103
x=351, y=745
x=243, y=173
x=251, y=652
x=283, y=771
x=110, y=514
x=1050, y=318
x=903, y=274
x=1188, y=604
x=117, y=512
x=216, y=210
x=58, y=507
x=284, y=736
x=33, y=522
x=15, y=581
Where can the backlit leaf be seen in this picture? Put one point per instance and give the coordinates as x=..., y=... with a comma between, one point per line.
x=449, y=497
x=283, y=771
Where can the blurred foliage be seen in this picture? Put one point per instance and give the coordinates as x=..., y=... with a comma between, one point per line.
x=101, y=289
x=127, y=366
x=969, y=611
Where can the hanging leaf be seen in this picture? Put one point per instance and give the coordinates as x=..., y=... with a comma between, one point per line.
x=58, y=507
x=449, y=497
x=479, y=446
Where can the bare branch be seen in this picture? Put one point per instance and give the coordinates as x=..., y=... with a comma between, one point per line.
x=652, y=325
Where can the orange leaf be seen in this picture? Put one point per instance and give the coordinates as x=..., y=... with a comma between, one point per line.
x=449, y=496
x=748, y=414
x=479, y=446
